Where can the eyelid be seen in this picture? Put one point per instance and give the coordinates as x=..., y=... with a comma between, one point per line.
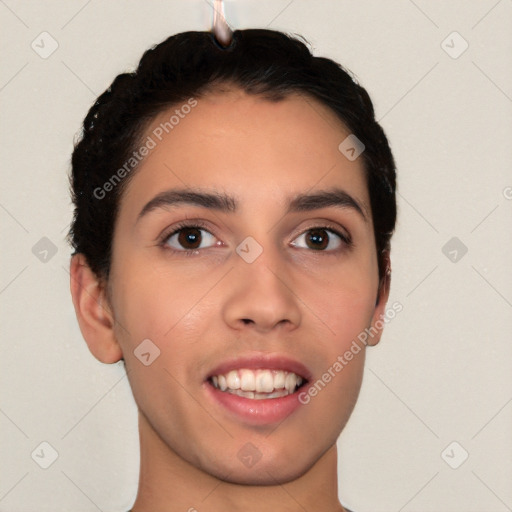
x=187, y=223
x=328, y=225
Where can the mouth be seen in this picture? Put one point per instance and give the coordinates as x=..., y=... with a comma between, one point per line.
x=258, y=390
x=258, y=384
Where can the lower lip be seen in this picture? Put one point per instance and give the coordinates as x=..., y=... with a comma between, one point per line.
x=255, y=412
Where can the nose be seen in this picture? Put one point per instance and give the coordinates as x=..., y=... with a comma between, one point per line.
x=260, y=295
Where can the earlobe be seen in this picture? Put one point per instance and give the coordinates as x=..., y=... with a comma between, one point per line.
x=93, y=312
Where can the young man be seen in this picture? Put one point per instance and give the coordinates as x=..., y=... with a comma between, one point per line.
x=234, y=208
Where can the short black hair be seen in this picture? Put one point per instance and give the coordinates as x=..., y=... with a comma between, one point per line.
x=188, y=65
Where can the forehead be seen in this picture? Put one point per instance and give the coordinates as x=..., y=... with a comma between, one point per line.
x=255, y=149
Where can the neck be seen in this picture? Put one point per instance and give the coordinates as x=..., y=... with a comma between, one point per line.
x=168, y=483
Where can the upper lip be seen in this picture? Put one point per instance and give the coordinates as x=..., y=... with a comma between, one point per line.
x=263, y=361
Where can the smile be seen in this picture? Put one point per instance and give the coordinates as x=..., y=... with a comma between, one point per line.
x=258, y=384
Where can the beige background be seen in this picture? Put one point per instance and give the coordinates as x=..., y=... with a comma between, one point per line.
x=442, y=372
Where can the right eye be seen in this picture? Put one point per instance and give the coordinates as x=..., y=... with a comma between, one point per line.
x=189, y=237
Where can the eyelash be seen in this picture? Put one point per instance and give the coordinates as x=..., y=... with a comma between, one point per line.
x=176, y=229
x=345, y=239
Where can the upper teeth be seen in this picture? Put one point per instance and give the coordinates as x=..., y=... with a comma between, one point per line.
x=261, y=381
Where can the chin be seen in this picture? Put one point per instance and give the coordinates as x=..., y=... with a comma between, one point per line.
x=270, y=469
x=264, y=475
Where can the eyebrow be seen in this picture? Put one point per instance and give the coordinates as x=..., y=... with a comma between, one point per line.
x=333, y=197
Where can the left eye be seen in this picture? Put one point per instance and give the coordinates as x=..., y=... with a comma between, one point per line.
x=319, y=239
x=190, y=238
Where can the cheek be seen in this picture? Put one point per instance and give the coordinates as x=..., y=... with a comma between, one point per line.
x=149, y=303
x=343, y=302
x=350, y=312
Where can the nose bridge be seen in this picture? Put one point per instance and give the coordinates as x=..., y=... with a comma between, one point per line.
x=260, y=293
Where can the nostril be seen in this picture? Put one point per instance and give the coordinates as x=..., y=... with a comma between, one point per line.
x=246, y=321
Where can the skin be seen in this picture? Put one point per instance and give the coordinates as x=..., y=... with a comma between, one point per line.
x=306, y=303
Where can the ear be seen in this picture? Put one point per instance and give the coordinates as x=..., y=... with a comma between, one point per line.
x=377, y=324
x=93, y=311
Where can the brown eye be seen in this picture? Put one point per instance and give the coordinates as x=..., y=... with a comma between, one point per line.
x=319, y=239
x=190, y=238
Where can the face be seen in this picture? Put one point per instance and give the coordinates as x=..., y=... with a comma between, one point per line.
x=236, y=279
